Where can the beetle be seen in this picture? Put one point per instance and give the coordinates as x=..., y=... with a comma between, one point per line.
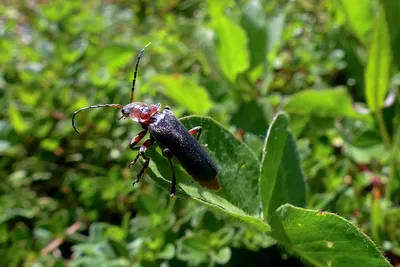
x=170, y=134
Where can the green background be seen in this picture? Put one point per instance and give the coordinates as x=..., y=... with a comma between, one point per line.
x=299, y=107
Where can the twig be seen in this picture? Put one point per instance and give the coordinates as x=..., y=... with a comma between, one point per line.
x=58, y=241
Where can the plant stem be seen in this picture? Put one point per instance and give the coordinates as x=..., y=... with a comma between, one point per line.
x=382, y=127
x=392, y=174
x=393, y=164
x=388, y=144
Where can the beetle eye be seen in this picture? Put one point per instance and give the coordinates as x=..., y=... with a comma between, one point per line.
x=124, y=112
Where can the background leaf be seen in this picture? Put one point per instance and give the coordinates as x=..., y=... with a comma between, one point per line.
x=392, y=12
x=185, y=92
x=359, y=15
x=256, y=123
x=16, y=119
x=231, y=47
x=281, y=177
x=116, y=56
x=322, y=103
x=254, y=22
x=378, y=71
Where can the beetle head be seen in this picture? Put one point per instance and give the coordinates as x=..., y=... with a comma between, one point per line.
x=140, y=112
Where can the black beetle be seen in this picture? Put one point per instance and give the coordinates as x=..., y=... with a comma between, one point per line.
x=170, y=134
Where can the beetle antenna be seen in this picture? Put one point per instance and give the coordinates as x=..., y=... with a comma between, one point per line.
x=95, y=106
x=135, y=72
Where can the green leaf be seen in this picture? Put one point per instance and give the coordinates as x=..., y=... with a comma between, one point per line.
x=392, y=11
x=323, y=103
x=256, y=123
x=217, y=7
x=231, y=47
x=97, y=232
x=254, y=21
x=365, y=155
x=355, y=63
x=194, y=248
x=58, y=10
x=281, y=178
x=377, y=217
x=393, y=216
x=254, y=142
x=50, y=144
x=378, y=71
x=28, y=97
x=275, y=31
x=185, y=92
x=323, y=238
x=119, y=248
x=221, y=256
x=16, y=119
x=115, y=56
x=238, y=173
x=71, y=52
x=168, y=252
x=366, y=146
x=100, y=75
x=298, y=124
x=222, y=237
x=359, y=17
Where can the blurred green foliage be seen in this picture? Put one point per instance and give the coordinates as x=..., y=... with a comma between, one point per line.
x=332, y=66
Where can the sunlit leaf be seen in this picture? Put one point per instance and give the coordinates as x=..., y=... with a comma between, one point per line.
x=231, y=46
x=116, y=56
x=378, y=72
x=254, y=21
x=222, y=256
x=324, y=239
x=359, y=17
x=238, y=173
x=392, y=11
x=185, y=92
x=364, y=155
x=281, y=178
x=58, y=10
x=275, y=29
x=323, y=103
x=16, y=118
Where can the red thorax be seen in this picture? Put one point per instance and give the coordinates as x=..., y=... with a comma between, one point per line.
x=140, y=112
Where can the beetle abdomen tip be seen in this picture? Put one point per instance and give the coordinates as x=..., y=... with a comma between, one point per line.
x=212, y=185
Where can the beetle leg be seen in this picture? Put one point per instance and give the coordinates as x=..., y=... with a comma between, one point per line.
x=137, y=139
x=167, y=153
x=133, y=162
x=142, y=150
x=139, y=175
x=196, y=130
